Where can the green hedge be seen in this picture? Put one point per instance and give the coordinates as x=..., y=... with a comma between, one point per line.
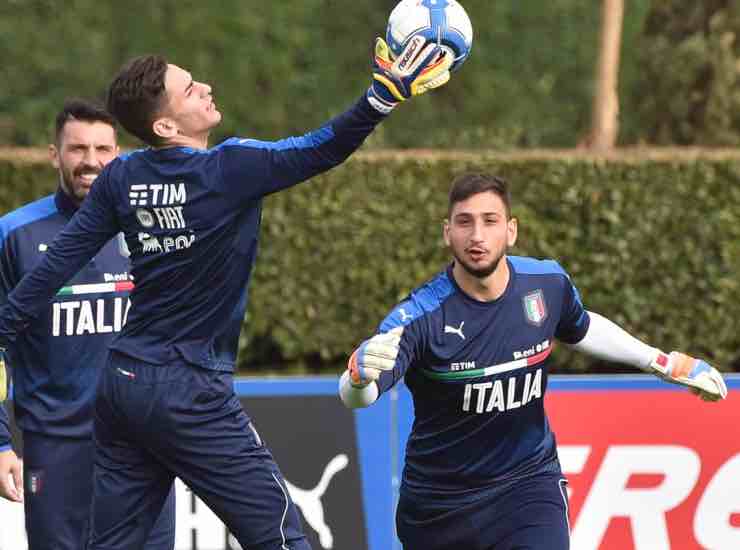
x=652, y=242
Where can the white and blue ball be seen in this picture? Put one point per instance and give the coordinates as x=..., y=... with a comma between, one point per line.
x=442, y=21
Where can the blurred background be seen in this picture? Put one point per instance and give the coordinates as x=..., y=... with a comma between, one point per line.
x=278, y=68
x=617, y=122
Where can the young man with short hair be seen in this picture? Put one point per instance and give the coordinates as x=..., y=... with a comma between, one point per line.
x=473, y=345
x=57, y=362
x=166, y=405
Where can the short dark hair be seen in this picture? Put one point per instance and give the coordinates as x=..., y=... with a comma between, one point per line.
x=81, y=109
x=137, y=94
x=467, y=185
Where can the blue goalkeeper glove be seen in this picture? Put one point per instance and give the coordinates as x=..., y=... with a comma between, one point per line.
x=700, y=377
x=374, y=356
x=420, y=68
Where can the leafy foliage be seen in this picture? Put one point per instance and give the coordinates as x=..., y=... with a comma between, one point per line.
x=652, y=243
x=689, y=93
x=281, y=68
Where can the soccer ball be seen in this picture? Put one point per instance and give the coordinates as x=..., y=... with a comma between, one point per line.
x=442, y=21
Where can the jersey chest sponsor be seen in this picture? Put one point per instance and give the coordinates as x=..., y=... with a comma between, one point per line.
x=95, y=316
x=502, y=394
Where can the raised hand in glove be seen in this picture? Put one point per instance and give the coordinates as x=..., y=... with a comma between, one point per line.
x=421, y=67
x=374, y=356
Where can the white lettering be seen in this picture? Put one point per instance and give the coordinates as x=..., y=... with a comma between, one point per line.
x=646, y=508
x=89, y=317
x=525, y=393
x=155, y=188
x=113, y=277
x=85, y=323
x=497, y=397
x=536, y=389
x=180, y=242
x=481, y=395
x=466, y=398
x=101, y=327
x=573, y=458
x=125, y=314
x=512, y=403
x=713, y=520
x=55, y=318
x=69, y=308
x=196, y=526
x=178, y=195
x=170, y=217
x=160, y=217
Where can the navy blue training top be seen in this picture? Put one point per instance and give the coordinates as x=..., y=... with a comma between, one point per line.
x=477, y=372
x=55, y=363
x=191, y=220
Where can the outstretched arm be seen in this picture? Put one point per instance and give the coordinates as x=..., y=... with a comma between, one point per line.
x=606, y=340
x=252, y=168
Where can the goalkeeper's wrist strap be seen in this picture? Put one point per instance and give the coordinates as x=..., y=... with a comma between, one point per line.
x=381, y=105
x=660, y=363
x=357, y=397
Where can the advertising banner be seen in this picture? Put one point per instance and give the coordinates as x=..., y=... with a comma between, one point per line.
x=650, y=467
x=313, y=438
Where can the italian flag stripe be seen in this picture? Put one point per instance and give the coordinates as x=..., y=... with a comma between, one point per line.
x=488, y=371
x=96, y=288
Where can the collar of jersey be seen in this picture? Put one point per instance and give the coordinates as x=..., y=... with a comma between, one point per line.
x=64, y=203
x=176, y=150
x=471, y=300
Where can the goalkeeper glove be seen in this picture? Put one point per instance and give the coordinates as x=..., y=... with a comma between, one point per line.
x=374, y=356
x=3, y=377
x=3, y=380
x=418, y=69
x=700, y=377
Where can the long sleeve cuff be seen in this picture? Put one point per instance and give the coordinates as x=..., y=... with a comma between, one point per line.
x=606, y=340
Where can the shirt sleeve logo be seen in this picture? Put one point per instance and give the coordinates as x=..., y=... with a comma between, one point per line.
x=535, y=309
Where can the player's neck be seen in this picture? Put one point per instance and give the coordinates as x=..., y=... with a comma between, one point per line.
x=182, y=140
x=484, y=289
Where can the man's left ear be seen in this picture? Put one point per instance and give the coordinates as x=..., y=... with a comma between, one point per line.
x=512, y=231
x=54, y=155
x=165, y=128
x=446, y=231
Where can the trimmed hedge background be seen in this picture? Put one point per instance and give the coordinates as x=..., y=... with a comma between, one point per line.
x=651, y=240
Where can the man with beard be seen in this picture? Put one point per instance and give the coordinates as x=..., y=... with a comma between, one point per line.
x=56, y=363
x=473, y=343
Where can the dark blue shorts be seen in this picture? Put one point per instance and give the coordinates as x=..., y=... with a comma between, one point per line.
x=529, y=514
x=58, y=479
x=153, y=423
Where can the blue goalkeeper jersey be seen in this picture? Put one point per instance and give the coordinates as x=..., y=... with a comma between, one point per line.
x=477, y=372
x=191, y=220
x=55, y=363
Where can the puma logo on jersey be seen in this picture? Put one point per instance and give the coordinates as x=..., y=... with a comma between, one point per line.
x=309, y=501
x=453, y=330
x=404, y=315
